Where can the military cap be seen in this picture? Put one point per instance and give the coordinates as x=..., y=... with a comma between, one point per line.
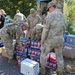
x=17, y=11
x=38, y=26
x=32, y=10
x=51, y=4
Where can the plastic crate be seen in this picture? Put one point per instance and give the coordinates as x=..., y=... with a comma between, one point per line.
x=70, y=39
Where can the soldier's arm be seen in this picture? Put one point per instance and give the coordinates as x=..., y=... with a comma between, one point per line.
x=15, y=18
x=46, y=28
x=28, y=23
x=44, y=33
x=39, y=19
x=33, y=33
x=24, y=18
x=18, y=32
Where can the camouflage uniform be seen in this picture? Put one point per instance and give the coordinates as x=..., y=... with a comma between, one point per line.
x=52, y=36
x=59, y=4
x=6, y=34
x=37, y=32
x=19, y=17
x=39, y=12
x=32, y=21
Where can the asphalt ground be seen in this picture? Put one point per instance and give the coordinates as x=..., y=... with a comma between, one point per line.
x=13, y=69
x=8, y=68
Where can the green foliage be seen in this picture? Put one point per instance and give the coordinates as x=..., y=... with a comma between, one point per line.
x=10, y=6
x=70, y=15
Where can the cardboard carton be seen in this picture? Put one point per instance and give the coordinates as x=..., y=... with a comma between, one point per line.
x=29, y=67
x=4, y=54
x=69, y=52
x=0, y=50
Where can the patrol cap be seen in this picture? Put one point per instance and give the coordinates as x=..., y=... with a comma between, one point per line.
x=39, y=26
x=52, y=3
x=32, y=10
x=17, y=11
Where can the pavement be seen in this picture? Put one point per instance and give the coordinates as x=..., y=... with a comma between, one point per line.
x=7, y=68
x=13, y=69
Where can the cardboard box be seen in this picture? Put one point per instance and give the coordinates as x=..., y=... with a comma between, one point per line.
x=69, y=52
x=0, y=50
x=29, y=67
x=35, y=63
x=4, y=54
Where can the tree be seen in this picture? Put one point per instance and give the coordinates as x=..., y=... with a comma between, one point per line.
x=10, y=6
x=69, y=11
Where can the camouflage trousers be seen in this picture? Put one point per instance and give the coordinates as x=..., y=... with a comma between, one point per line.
x=45, y=49
x=8, y=43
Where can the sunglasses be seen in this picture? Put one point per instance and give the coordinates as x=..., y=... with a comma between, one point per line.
x=49, y=7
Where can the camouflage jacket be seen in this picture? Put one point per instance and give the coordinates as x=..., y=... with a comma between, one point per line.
x=37, y=32
x=54, y=28
x=19, y=18
x=32, y=21
x=8, y=31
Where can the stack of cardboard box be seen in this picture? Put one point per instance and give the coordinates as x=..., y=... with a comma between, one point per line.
x=34, y=51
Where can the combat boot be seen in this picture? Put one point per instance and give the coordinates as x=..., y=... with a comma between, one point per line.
x=12, y=61
x=42, y=71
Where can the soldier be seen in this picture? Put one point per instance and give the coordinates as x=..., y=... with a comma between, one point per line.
x=6, y=34
x=39, y=12
x=32, y=19
x=52, y=37
x=59, y=4
x=19, y=17
x=37, y=32
x=42, y=14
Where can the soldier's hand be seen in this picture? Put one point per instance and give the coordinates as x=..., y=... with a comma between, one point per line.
x=8, y=32
x=42, y=42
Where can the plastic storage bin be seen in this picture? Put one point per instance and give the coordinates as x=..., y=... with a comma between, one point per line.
x=70, y=39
